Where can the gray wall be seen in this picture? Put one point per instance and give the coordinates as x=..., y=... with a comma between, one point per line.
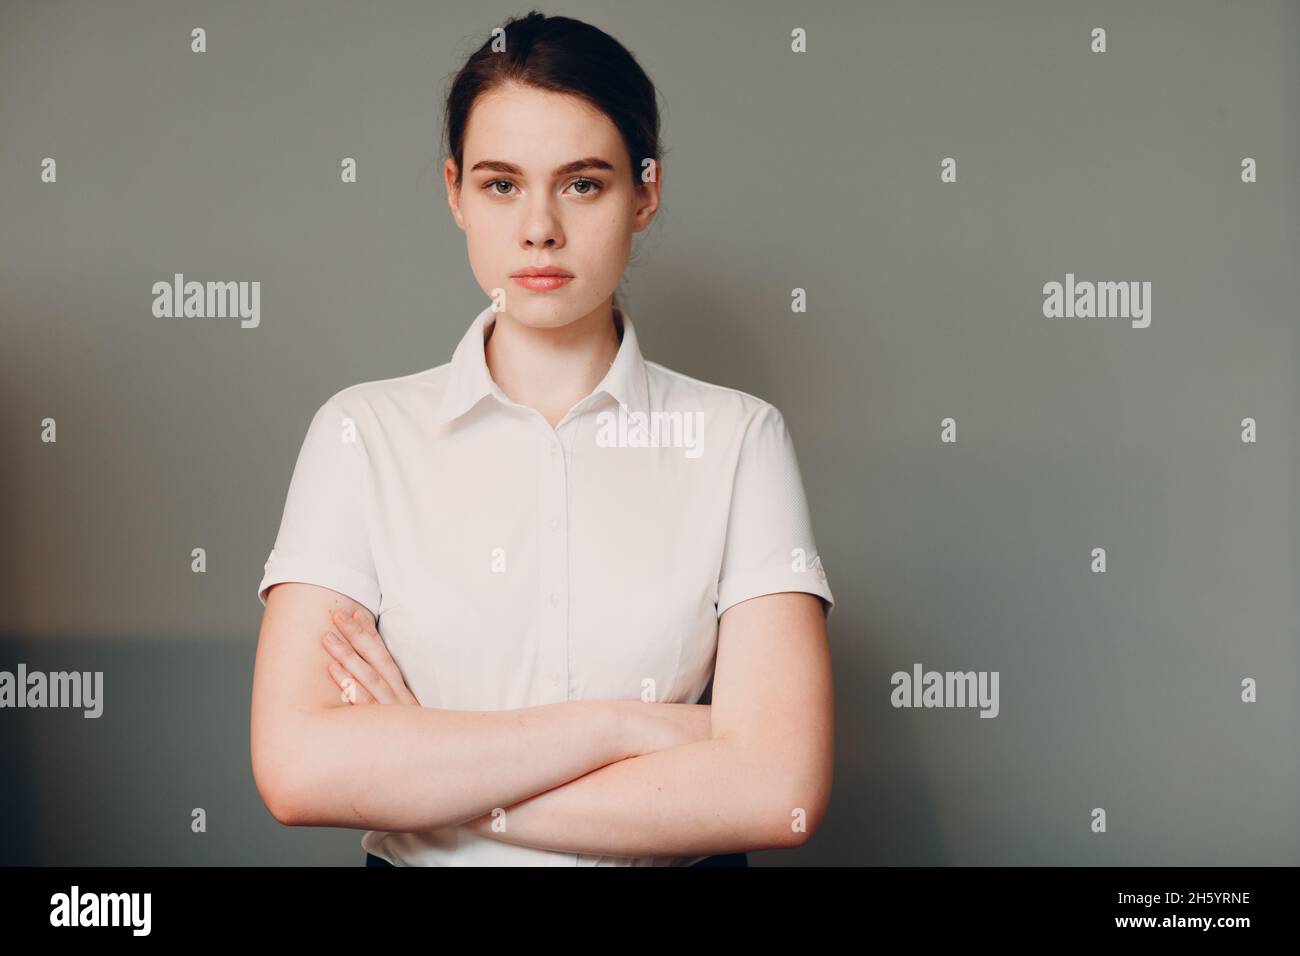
x=818, y=170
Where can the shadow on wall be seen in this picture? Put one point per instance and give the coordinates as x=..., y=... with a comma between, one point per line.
x=122, y=789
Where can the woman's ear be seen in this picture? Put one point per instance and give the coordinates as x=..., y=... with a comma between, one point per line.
x=453, y=191
x=647, y=195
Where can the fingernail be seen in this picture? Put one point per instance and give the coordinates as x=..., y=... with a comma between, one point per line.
x=332, y=637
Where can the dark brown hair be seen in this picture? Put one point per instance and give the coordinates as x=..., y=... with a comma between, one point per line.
x=561, y=55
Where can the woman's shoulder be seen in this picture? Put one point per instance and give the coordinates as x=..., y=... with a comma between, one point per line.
x=380, y=397
x=671, y=390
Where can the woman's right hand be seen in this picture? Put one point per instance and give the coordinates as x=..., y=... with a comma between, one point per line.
x=661, y=726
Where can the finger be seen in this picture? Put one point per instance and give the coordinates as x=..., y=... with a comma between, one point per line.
x=360, y=631
x=351, y=691
x=369, y=678
x=369, y=647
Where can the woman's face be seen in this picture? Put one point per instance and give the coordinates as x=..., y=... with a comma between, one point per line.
x=547, y=182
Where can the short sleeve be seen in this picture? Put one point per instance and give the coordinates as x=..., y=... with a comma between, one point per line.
x=769, y=544
x=324, y=536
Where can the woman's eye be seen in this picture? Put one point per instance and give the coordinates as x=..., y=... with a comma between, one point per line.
x=592, y=187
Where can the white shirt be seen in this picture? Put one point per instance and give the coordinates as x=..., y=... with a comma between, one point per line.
x=511, y=564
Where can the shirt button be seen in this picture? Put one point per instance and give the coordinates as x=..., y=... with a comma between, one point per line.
x=555, y=599
x=551, y=449
x=555, y=523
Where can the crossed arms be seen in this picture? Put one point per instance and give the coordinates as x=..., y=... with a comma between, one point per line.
x=622, y=778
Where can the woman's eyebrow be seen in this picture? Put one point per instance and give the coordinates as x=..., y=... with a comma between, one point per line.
x=500, y=166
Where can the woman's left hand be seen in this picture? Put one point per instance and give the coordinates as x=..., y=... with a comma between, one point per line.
x=362, y=667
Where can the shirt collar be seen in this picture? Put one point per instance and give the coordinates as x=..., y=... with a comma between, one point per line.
x=470, y=380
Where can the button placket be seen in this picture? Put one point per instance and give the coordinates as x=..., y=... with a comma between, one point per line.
x=554, y=570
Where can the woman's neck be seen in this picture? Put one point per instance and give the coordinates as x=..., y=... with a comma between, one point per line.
x=552, y=369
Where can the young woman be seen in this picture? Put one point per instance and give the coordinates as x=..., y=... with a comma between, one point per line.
x=503, y=587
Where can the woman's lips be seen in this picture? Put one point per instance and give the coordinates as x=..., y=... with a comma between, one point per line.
x=542, y=283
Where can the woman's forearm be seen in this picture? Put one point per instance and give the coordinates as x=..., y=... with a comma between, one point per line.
x=706, y=797
x=417, y=768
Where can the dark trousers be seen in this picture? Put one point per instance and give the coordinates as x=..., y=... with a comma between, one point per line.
x=721, y=859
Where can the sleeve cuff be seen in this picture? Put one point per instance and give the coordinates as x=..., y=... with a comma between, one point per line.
x=742, y=587
x=324, y=572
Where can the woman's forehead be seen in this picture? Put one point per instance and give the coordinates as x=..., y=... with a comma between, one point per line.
x=539, y=127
